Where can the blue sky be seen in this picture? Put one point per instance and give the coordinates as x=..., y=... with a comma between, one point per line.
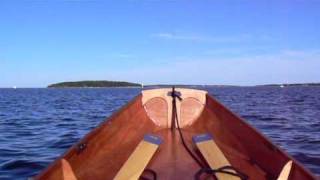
x=153, y=41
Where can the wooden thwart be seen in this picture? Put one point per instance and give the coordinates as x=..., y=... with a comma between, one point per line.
x=213, y=155
x=284, y=174
x=139, y=159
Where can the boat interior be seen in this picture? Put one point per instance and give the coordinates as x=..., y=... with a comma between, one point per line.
x=174, y=134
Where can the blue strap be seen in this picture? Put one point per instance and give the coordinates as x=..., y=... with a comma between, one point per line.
x=201, y=138
x=152, y=139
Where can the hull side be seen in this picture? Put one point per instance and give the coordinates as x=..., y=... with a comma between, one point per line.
x=107, y=147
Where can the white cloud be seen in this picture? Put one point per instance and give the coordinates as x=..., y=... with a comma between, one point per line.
x=301, y=53
x=123, y=55
x=239, y=51
x=172, y=36
x=211, y=39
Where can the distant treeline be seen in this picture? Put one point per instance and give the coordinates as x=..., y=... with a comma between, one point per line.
x=130, y=84
x=94, y=84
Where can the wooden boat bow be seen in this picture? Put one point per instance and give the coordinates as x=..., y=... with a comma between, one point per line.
x=108, y=147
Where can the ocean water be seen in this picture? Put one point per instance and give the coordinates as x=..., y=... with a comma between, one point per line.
x=37, y=125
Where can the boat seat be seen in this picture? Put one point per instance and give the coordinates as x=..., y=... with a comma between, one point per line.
x=139, y=159
x=213, y=155
x=285, y=172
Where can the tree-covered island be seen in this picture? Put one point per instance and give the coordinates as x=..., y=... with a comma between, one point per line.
x=84, y=84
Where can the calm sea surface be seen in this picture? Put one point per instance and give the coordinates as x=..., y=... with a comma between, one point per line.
x=37, y=125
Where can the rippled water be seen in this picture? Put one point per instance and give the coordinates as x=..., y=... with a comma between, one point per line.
x=37, y=125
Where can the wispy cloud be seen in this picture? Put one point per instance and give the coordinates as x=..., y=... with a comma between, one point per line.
x=211, y=39
x=231, y=51
x=299, y=53
x=294, y=54
x=173, y=36
x=122, y=55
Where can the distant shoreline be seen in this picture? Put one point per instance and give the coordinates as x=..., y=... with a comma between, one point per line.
x=91, y=87
x=263, y=85
x=93, y=84
x=136, y=85
x=293, y=84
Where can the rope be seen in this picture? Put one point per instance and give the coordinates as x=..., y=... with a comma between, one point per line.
x=204, y=168
x=152, y=172
x=174, y=110
x=223, y=169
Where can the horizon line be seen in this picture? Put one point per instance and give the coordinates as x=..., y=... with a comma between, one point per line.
x=268, y=84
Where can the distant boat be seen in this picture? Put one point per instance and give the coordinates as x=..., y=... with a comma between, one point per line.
x=282, y=86
x=14, y=87
x=152, y=135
